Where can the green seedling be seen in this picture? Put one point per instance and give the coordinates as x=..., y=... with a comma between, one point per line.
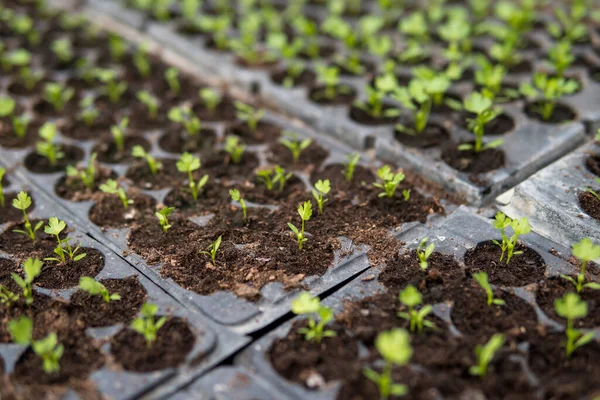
x=172, y=78
x=485, y=354
x=489, y=77
x=585, y=251
x=153, y=165
x=547, y=91
x=32, y=268
x=374, y=104
x=20, y=125
x=305, y=212
x=184, y=116
x=394, y=347
x=329, y=77
x=415, y=98
x=485, y=112
x=30, y=78
x=350, y=166
x=322, y=187
x=235, y=148
x=210, y=98
x=7, y=106
x=7, y=298
x=163, y=218
x=47, y=148
x=272, y=176
x=248, y=114
x=118, y=133
x=117, y=47
x=571, y=307
x=305, y=304
x=411, y=298
x=161, y=9
x=48, y=349
x=150, y=101
x=87, y=175
x=95, y=288
x=63, y=50
x=561, y=56
x=570, y=26
x=142, y=61
x=187, y=163
x=519, y=227
x=88, y=113
x=112, y=187
x=424, y=253
x=64, y=249
x=390, y=181
x=288, y=51
x=146, y=324
x=213, y=249
x=2, y=199
x=58, y=95
x=23, y=202
x=190, y=8
x=236, y=196
x=112, y=87
x=16, y=58
x=482, y=279
x=296, y=147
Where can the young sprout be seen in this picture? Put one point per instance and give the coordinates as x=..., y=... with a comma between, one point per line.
x=20, y=124
x=88, y=112
x=350, y=166
x=424, y=253
x=58, y=95
x=112, y=187
x=520, y=227
x=32, y=267
x=249, y=115
x=7, y=297
x=141, y=61
x=95, y=288
x=561, y=56
x=210, y=98
x=416, y=98
x=184, y=116
x=485, y=112
x=411, y=298
x=235, y=148
x=7, y=106
x=390, y=181
x=489, y=77
x=330, y=78
x=373, y=105
x=87, y=175
x=571, y=307
x=48, y=349
x=188, y=164
x=54, y=228
x=63, y=50
x=322, y=187
x=30, y=77
x=112, y=88
x=47, y=148
x=150, y=101
x=117, y=47
x=547, y=90
x=485, y=354
x=585, y=251
x=118, y=133
x=236, y=196
x=23, y=202
x=482, y=279
x=172, y=78
x=305, y=212
x=146, y=325
x=163, y=218
x=2, y=173
x=394, y=347
x=213, y=249
x=288, y=51
x=295, y=146
x=305, y=304
x=154, y=165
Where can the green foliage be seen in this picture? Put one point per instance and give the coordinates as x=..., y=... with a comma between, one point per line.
x=184, y=116
x=88, y=112
x=585, y=251
x=416, y=98
x=305, y=212
x=329, y=77
x=305, y=304
x=87, y=175
x=519, y=227
x=163, y=218
x=30, y=78
x=490, y=77
x=63, y=50
x=394, y=346
x=485, y=112
x=32, y=268
x=153, y=165
x=188, y=164
x=235, y=148
x=485, y=354
x=118, y=133
x=411, y=298
x=561, y=56
x=47, y=148
x=7, y=106
x=424, y=252
x=58, y=95
x=7, y=298
x=571, y=307
x=296, y=147
x=482, y=279
x=142, y=62
x=236, y=196
x=547, y=90
x=112, y=88
x=213, y=249
x=271, y=176
x=353, y=159
x=95, y=288
x=117, y=47
x=23, y=202
x=112, y=187
x=390, y=181
x=64, y=249
x=20, y=125
x=322, y=187
x=48, y=349
x=248, y=114
x=146, y=324
x=172, y=78
x=150, y=101
x=210, y=98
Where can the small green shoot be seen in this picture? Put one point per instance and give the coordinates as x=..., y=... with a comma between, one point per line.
x=112, y=187
x=236, y=196
x=482, y=279
x=150, y=101
x=424, y=253
x=172, y=78
x=390, y=181
x=7, y=298
x=63, y=50
x=87, y=175
x=485, y=112
x=213, y=249
x=350, y=166
x=210, y=98
x=235, y=148
x=146, y=324
x=271, y=176
x=58, y=95
x=248, y=114
x=7, y=106
x=296, y=147
x=519, y=226
x=188, y=163
x=571, y=307
x=411, y=298
x=118, y=133
x=184, y=116
x=32, y=267
x=322, y=187
x=153, y=165
x=585, y=251
x=64, y=249
x=163, y=218
x=305, y=304
x=485, y=354
x=23, y=202
x=305, y=212
x=47, y=148
x=95, y=288
x=547, y=90
x=48, y=349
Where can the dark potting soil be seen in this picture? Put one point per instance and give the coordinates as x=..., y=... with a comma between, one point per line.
x=95, y=312
x=265, y=132
x=178, y=141
x=80, y=131
x=167, y=176
x=41, y=165
x=306, y=78
x=433, y=135
x=363, y=117
x=590, y=204
x=21, y=245
x=523, y=268
x=561, y=113
x=10, y=214
x=310, y=158
x=6, y=267
x=173, y=343
x=219, y=164
x=108, y=152
x=472, y=162
x=224, y=111
x=212, y=198
x=57, y=275
x=500, y=125
x=392, y=212
x=42, y=309
x=592, y=164
x=345, y=95
x=556, y=287
x=108, y=211
x=9, y=139
x=337, y=179
x=73, y=188
x=257, y=192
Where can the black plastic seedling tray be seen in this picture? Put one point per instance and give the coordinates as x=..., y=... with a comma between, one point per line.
x=212, y=345
x=455, y=235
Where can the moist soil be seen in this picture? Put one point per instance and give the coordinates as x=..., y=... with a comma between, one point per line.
x=592, y=163
x=522, y=269
x=473, y=162
x=310, y=158
x=433, y=135
x=364, y=118
x=265, y=132
x=337, y=179
x=22, y=246
x=41, y=165
x=58, y=275
x=306, y=78
x=142, y=176
x=109, y=153
x=73, y=189
x=176, y=140
x=224, y=111
x=561, y=113
x=345, y=95
x=498, y=126
x=590, y=204
x=173, y=344
x=108, y=210
x=10, y=214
